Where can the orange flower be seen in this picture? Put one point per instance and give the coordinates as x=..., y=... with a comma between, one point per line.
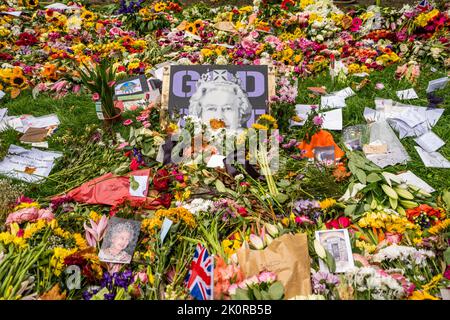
x=49, y=71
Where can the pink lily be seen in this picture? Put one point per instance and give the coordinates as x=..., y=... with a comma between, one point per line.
x=96, y=232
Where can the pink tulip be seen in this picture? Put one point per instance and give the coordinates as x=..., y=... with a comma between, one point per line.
x=96, y=232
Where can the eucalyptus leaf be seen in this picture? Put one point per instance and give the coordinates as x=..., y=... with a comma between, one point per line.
x=281, y=197
x=276, y=291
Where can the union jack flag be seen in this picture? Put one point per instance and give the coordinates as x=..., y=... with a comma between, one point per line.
x=424, y=5
x=200, y=277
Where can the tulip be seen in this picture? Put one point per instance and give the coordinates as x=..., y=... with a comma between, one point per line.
x=267, y=239
x=272, y=229
x=256, y=241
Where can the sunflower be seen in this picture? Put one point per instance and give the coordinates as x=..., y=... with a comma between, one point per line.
x=31, y=4
x=160, y=6
x=88, y=15
x=198, y=24
x=190, y=27
x=18, y=81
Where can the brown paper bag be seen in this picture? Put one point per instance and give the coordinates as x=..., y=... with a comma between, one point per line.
x=287, y=256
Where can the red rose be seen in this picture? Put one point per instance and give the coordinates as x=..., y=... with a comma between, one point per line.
x=161, y=180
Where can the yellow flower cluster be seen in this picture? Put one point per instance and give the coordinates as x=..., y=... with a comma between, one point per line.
x=231, y=246
x=32, y=228
x=57, y=260
x=305, y=3
x=327, y=203
x=6, y=238
x=356, y=68
x=367, y=247
x=388, y=58
x=265, y=122
x=94, y=216
x=423, y=18
x=440, y=227
x=175, y=214
x=387, y=221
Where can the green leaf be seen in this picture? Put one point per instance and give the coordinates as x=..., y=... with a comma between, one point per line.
x=241, y=294
x=257, y=294
x=447, y=256
x=446, y=198
x=284, y=183
x=373, y=177
x=265, y=295
x=276, y=291
x=220, y=186
x=281, y=197
x=331, y=263
x=349, y=209
x=361, y=175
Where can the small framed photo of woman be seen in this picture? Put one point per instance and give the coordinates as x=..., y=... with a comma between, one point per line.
x=120, y=241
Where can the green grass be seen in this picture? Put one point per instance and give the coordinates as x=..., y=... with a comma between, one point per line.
x=76, y=113
x=353, y=114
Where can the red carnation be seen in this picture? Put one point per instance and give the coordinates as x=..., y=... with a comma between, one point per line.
x=134, y=165
x=161, y=180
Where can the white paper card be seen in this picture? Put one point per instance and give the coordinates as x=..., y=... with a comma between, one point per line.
x=167, y=223
x=332, y=120
x=432, y=159
x=43, y=144
x=142, y=188
x=38, y=163
x=407, y=94
x=410, y=178
x=2, y=94
x=437, y=84
x=433, y=115
x=345, y=93
x=13, y=13
x=216, y=161
x=3, y=113
x=332, y=101
x=337, y=243
x=429, y=141
x=302, y=111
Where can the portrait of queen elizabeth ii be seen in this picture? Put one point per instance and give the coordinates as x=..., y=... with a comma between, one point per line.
x=221, y=96
x=120, y=241
x=218, y=98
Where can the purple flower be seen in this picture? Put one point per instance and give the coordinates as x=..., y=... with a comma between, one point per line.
x=318, y=120
x=290, y=144
x=324, y=282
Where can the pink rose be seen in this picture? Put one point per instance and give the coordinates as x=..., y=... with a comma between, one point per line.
x=267, y=277
x=45, y=214
x=23, y=215
x=127, y=122
x=95, y=97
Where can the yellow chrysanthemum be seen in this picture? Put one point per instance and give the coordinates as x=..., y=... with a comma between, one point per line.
x=57, y=260
x=327, y=203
